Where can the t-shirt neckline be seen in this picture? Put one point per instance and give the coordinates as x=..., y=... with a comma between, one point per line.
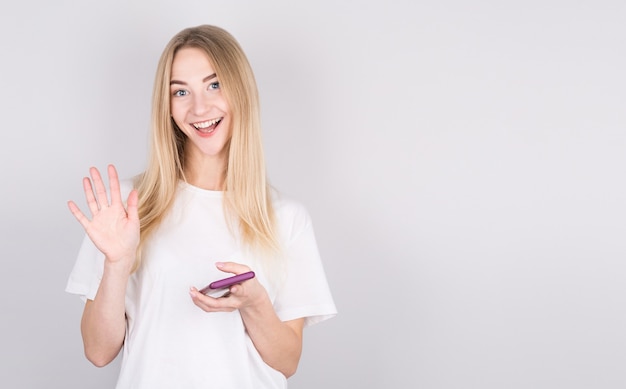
x=206, y=192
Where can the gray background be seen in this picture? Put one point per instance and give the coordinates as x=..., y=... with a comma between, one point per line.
x=463, y=163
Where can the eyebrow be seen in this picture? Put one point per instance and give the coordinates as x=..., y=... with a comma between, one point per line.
x=205, y=79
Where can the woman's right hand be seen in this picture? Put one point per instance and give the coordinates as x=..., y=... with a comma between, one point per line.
x=113, y=228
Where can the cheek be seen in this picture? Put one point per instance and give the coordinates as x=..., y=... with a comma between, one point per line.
x=180, y=123
x=222, y=104
x=177, y=113
x=229, y=128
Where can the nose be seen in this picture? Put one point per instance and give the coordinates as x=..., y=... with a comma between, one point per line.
x=200, y=104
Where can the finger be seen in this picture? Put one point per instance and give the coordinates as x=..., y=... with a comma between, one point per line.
x=78, y=214
x=238, y=290
x=101, y=192
x=90, y=196
x=209, y=304
x=232, y=267
x=132, y=204
x=114, y=184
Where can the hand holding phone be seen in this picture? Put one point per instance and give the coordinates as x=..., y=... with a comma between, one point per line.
x=221, y=287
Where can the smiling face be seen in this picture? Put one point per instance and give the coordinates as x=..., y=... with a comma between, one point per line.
x=199, y=107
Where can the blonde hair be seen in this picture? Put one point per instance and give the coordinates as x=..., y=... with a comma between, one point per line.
x=247, y=202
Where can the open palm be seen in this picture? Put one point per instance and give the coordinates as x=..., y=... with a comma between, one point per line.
x=113, y=228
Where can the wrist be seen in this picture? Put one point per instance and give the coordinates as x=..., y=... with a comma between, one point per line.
x=257, y=306
x=119, y=266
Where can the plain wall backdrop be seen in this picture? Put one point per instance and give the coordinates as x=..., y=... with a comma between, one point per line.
x=463, y=162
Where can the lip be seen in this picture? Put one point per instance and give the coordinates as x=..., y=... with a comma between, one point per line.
x=208, y=131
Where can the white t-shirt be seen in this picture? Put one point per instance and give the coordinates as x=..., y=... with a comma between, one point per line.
x=171, y=343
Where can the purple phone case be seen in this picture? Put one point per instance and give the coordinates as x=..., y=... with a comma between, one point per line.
x=226, y=282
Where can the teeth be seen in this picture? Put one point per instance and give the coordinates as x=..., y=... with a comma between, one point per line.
x=206, y=124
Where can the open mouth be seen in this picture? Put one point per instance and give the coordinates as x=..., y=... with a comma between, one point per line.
x=208, y=126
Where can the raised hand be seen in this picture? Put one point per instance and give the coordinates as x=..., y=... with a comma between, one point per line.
x=113, y=228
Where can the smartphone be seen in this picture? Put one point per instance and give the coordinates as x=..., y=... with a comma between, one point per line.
x=220, y=288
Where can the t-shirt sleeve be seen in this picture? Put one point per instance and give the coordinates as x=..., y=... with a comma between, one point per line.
x=305, y=292
x=85, y=277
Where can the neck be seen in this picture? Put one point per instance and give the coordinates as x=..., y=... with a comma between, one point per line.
x=206, y=173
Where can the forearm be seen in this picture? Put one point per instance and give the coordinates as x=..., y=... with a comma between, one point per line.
x=279, y=343
x=103, y=324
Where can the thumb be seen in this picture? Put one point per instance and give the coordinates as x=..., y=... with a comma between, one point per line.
x=232, y=267
x=132, y=205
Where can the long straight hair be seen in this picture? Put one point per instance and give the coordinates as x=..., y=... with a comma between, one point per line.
x=247, y=202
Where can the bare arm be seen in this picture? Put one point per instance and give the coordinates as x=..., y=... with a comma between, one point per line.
x=103, y=325
x=279, y=343
x=114, y=230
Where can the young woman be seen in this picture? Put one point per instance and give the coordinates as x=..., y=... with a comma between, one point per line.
x=201, y=211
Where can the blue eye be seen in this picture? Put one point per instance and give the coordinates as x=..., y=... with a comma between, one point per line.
x=214, y=85
x=180, y=93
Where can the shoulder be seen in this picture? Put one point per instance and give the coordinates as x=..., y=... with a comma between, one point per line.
x=292, y=217
x=287, y=208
